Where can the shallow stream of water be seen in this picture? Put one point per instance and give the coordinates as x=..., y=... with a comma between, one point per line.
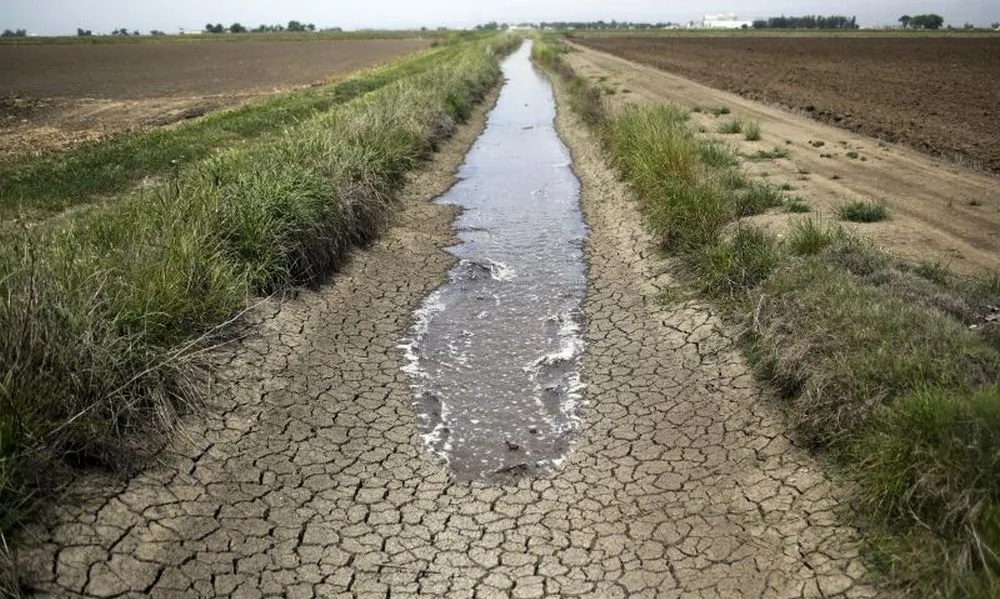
x=495, y=353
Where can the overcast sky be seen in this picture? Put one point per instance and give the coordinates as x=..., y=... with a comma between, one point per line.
x=64, y=16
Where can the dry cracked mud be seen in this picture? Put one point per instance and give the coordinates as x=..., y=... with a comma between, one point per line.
x=307, y=475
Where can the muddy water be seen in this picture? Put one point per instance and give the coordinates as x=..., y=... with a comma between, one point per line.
x=495, y=352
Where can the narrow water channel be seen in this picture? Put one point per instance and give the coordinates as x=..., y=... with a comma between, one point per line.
x=494, y=356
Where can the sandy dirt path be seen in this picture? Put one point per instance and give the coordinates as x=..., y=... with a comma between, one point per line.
x=940, y=212
x=307, y=476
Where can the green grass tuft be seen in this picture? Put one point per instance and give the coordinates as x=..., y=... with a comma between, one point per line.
x=731, y=126
x=756, y=200
x=751, y=131
x=808, y=237
x=735, y=266
x=797, y=205
x=863, y=212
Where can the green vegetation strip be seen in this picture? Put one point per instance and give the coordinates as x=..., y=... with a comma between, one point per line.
x=106, y=314
x=37, y=185
x=890, y=368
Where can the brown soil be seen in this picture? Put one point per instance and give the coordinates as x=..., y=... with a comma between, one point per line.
x=939, y=95
x=940, y=212
x=59, y=95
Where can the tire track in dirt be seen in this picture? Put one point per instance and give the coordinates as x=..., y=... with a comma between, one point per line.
x=308, y=477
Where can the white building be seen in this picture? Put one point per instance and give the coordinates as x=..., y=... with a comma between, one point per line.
x=728, y=20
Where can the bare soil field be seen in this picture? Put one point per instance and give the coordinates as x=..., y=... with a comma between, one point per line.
x=940, y=212
x=939, y=95
x=52, y=96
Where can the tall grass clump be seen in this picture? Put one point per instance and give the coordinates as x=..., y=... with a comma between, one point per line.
x=751, y=131
x=734, y=266
x=107, y=313
x=863, y=212
x=933, y=456
x=809, y=237
x=731, y=126
x=756, y=199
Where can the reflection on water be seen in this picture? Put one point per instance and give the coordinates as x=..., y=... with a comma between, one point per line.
x=495, y=353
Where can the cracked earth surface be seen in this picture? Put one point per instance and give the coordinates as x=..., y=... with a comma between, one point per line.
x=307, y=475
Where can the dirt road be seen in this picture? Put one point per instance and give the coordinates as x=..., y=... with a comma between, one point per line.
x=308, y=476
x=940, y=212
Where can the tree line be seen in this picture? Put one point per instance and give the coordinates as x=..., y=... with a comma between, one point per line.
x=295, y=26
x=14, y=33
x=807, y=22
x=931, y=21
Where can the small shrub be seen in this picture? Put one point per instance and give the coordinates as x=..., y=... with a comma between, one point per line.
x=720, y=110
x=852, y=155
x=863, y=212
x=751, y=131
x=816, y=143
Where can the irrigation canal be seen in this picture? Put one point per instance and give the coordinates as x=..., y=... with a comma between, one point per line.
x=495, y=353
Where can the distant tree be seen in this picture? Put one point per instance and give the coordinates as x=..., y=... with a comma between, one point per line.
x=905, y=21
x=80, y=32
x=217, y=28
x=808, y=22
x=995, y=25
x=296, y=26
x=931, y=21
x=237, y=28
x=156, y=32
x=14, y=33
x=136, y=32
x=311, y=27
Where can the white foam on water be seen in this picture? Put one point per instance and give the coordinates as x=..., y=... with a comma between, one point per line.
x=500, y=271
x=422, y=318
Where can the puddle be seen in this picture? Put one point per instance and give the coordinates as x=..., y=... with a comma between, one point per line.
x=494, y=356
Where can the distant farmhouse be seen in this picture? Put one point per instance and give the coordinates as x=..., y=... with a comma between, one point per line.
x=728, y=20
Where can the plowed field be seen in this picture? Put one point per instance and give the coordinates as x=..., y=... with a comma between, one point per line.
x=53, y=96
x=940, y=95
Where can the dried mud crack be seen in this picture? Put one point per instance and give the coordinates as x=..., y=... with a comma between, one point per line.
x=307, y=477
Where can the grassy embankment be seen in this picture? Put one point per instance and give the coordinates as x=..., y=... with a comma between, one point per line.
x=36, y=185
x=891, y=369
x=107, y=312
